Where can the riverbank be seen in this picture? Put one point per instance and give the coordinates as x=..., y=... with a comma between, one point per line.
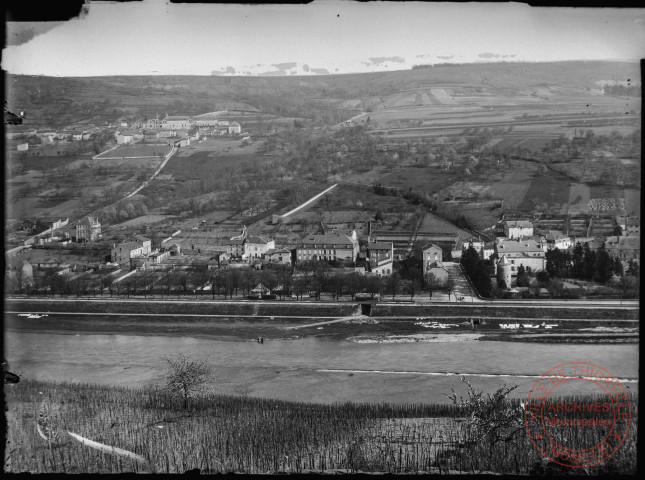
x=290, y=308
x=357, y=328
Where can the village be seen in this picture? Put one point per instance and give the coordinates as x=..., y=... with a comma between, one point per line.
x=328, y=262
x=259, y=247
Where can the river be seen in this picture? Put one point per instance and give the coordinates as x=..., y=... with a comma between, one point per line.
x=310, y=369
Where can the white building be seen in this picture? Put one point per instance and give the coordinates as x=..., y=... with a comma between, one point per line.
x=256, y=247
x=177, y=123
x=555, y=239
x=234, y=128
x=123, y=138
x=518, y=228
x=431, y=254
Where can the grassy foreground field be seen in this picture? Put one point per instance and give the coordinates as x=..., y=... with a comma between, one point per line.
x=147, y=430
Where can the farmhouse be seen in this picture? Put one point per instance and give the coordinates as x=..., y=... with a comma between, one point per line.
x=556, y=239
x=528, y=253
x=255, y=247
x=278, y=255
x=88, y=229
x=518, y=228
x=329, y=247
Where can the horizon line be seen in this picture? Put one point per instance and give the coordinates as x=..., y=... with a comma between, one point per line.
x=428, y=65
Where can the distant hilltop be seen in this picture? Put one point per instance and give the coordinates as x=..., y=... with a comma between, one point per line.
x=383, y=64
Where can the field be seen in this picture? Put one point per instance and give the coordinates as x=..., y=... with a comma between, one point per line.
x=201, y=164
x=143, y=220
x=421, y=179
x=136, y=150
x=434, y=224
x=216, y=433
x=549, y=188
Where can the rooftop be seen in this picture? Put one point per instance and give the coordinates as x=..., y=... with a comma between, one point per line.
x=261, y=240
x=519, y=246
x=328, y=240
x=519, y=223
x=130, y=245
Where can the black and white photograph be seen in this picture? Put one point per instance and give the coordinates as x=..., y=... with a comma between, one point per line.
x=332, y=238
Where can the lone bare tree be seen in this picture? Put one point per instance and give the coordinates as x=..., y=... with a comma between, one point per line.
x=450, y=286
x=186, y=376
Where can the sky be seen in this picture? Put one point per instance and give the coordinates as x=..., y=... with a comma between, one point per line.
x=326, y=36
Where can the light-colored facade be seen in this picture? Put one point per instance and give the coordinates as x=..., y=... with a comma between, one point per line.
x=256, y=247
x=234, y=128
x=518, y=228
x=125, y=251
x=528, y=253
x=336, y=247
x=176, y=123
x=555, y=239
x=88, y=229
x=124, y=138
x=477, y=244
x=380, y=257
x=383, y=268
x=431, y=254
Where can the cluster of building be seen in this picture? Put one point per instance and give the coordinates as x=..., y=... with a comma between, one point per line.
x=523, y=245
x=168, y=129
x=180, y=125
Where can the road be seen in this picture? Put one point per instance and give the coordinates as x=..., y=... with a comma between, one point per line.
x=163, y=164
x=565, y=304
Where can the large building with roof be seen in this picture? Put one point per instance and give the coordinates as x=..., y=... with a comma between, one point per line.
x=88, y=229
x=256, y=247
x=431, y=254
x=518, y=228
x=336, y=247
x=179, y=122
x=624, y=248
x=527, y=253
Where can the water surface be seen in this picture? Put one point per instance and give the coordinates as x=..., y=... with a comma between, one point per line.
x=308, y=369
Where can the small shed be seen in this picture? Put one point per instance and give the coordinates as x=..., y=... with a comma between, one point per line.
x=261, y=290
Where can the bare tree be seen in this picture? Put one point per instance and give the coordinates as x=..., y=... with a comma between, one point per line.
x=393, y=283
x=186, y=376
x=433, y=282
x=450, y=286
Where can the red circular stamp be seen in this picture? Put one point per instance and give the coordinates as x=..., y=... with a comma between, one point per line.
x=577, y=414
